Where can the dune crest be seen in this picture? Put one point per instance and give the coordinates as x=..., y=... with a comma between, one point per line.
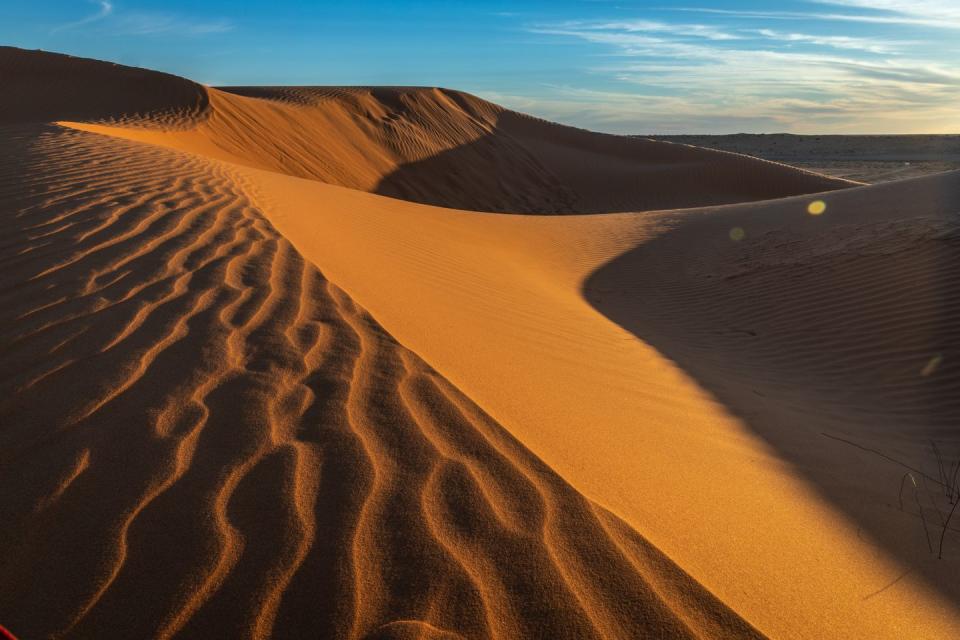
x=452, y=149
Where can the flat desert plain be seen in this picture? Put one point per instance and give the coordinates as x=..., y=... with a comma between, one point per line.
x=864, y=158
x=400, y=363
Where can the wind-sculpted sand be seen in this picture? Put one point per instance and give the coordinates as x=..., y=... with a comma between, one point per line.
x=428, y=145
x=448, y=148
x=247, y=395
x=203, y=436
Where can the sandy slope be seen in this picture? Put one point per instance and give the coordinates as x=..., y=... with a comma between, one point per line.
x=204, y=437
x=296, y=468
x=41, y=87
x=452, y=149
x=497, y=304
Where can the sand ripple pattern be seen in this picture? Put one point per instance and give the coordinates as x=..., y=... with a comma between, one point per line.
x=856, y=324
x=202, y=437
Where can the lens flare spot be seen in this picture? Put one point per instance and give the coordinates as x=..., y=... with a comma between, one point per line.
x=816, y=207
x=932, y=365
x=737, y=234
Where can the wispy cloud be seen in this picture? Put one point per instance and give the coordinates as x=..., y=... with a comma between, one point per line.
x=944, y=19
x=141, y=23
x=872, y=45
x=110, y=20
x=758, y=76
x=631, y=44
x=863, y=109
x=928, y=11
x=634, y=40
x=106, y=8
x=701, y=31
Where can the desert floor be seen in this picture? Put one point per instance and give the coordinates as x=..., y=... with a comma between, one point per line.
x=864, y=158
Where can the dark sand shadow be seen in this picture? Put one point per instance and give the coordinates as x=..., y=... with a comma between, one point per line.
x=527, y=165
x=837, y=358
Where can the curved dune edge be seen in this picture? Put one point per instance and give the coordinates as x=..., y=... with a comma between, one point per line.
x=452, y=149
x=495, y=304
x=428, y=145
x=448, y=148
x=205, y=437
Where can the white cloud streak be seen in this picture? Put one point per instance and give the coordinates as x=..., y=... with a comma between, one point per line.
x=871, y=45
x=145, y=24
x=141, y=23
x=925, y=10
x=701, y=31
x=769, y=85
x=943, y=20
x=106, y=8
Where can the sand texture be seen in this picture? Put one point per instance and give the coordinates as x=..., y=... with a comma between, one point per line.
x=300, y=363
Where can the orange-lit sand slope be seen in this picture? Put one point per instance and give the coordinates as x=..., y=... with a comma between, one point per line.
x=204, y=437
x=201, y=431
x=720, y=460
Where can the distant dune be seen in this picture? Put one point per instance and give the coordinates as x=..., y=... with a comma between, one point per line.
x=864, y=158
x=247, y=395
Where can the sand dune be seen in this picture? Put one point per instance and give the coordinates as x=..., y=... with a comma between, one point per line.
x=428, y=145
x=451, y=149
x=513, y=321
x=865, y=158
x=243, y=397
x=206, y=437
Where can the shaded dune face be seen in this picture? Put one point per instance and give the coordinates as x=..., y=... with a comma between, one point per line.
x=835, y=337
x=856, y=309
x=362, y=137
x=203, y=437
x=42, y=87
x=593, y=172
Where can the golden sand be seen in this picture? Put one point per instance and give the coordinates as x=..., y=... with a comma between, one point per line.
x=287, y=362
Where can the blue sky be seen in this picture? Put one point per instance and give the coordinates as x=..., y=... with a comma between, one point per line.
x=673, y=66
